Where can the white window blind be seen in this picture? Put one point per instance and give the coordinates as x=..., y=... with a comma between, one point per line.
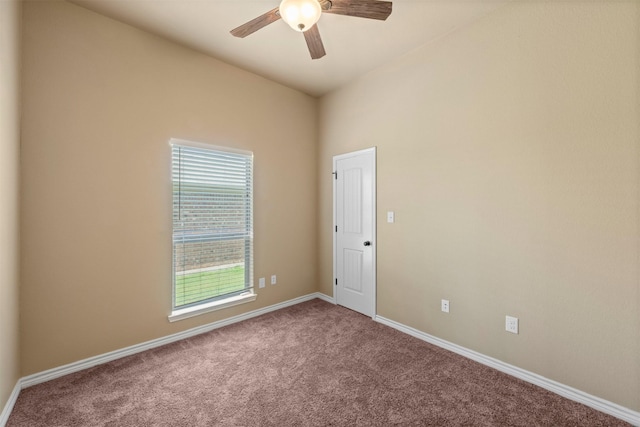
x=212, y=224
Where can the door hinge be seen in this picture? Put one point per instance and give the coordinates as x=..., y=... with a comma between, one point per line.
x=336, y=282
x=336, y=228
x=335, y=174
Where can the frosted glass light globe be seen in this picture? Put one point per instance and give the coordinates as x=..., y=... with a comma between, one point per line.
x=300, y=14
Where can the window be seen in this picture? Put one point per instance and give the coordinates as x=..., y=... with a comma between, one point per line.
x=212, y=228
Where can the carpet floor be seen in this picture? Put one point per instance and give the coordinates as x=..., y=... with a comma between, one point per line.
x=312, y=364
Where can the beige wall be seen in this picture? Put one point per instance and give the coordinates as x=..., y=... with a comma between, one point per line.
x=9, y=205
x=101, y=101
x=509, y=151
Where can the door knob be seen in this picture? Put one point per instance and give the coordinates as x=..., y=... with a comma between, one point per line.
x=367, y=243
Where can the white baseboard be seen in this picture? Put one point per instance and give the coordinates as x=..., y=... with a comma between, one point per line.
x=60, y=371
x=325, y=297
x=594, y=402
x=8, y=407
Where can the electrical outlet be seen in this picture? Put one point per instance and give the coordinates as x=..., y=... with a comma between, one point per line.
x=261, y=282
x=444, y=306
x=273, y=279
x=511, y=324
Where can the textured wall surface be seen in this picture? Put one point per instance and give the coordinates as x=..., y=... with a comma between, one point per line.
x=101, y=101
x=9, y=204
x=509, y=151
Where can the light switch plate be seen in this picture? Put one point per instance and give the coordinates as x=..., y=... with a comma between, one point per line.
x=391, y=217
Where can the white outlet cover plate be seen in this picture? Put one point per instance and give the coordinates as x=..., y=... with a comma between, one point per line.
x=273, y=279
x=261, y=282
x=511, y=324
x=445, y=305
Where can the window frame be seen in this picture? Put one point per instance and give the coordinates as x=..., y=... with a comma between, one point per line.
x=223, y=301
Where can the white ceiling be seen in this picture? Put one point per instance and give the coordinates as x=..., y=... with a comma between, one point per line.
x=354, y=46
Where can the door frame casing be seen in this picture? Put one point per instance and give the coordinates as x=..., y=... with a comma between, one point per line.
x=374, y=223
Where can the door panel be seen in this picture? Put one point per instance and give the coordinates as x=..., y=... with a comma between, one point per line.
x=352, y=200
x=352, y=262
x=354, y=249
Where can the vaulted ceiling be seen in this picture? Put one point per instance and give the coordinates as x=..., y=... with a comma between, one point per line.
x=354, y=46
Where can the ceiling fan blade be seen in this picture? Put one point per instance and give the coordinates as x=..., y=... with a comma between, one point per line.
x=314, y=42
x=255, y=24
x=372, y=9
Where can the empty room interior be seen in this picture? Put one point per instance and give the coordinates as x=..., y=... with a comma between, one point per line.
x=506, y=178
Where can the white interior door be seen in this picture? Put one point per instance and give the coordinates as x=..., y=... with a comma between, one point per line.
x=354, y=230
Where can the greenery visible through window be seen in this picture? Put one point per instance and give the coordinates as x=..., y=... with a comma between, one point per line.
x=212, y=223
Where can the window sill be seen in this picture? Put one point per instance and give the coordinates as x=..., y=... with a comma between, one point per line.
x=185, y=313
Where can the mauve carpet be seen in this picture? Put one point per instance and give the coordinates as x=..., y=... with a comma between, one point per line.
x=312, y=364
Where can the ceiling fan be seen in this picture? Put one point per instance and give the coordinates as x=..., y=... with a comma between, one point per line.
x=302, y=15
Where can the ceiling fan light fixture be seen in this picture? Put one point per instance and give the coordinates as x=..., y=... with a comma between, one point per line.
x=301, y=15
